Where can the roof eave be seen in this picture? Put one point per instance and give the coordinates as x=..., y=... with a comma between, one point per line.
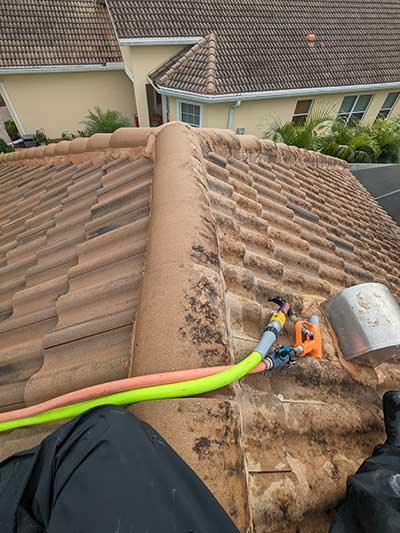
x=265, y=95
x=159, y=41
x=49, y=69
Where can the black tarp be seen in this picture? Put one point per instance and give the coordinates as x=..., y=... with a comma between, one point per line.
x=372, y=503
x=105, y=472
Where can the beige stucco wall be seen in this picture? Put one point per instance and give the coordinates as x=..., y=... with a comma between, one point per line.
x=141, y=60
x=57, y=103
x=256, y=116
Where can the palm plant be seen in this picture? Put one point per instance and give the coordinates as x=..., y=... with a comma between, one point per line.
x=355, y=143
x=99, y=121
x=387, y=134
x=303, y=135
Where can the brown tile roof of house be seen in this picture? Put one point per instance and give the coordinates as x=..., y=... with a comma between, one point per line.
x=193, y=69
x=56, y=32
x=234, y=220
x=263, y=45
x=72, y=242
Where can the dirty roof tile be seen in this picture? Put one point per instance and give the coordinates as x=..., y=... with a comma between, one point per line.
x=194, y=230
x=56, y=32
x=264, y=46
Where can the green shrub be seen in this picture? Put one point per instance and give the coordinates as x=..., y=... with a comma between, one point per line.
x=355, y=142
x=12, y=130
x=5, y=148
x=67, y=136
x=99, y=121
x=41, y=137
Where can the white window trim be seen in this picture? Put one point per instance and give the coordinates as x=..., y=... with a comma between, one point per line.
x=350, y=113
x=303, y=114
x=390, y=109
x=179, y=111
x=165, y=108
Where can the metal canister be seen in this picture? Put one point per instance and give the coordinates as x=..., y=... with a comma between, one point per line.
x=366, y=320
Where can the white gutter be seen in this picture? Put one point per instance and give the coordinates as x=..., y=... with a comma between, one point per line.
x=11, y=109
x=265, y=95
x=49, y=69
x=158, y=41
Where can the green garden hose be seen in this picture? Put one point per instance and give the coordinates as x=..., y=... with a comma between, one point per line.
x=161, y=392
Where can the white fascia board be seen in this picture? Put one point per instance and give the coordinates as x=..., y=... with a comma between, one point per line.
x=159, y=41
x=49, y=69
x=265, y=95
x=11, y=108
x=129, y=73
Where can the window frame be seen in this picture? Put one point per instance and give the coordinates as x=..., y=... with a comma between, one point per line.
x=348, y=116
x=388, y=109
x=179, y=112
x=305, y=115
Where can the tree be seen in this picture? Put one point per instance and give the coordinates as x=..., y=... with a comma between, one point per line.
x=99, y=121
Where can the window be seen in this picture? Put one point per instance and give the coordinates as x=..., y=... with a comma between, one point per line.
x=190, y=113
x=388, y=105
x=354, y=107
x=301, y=112
x=2, y=102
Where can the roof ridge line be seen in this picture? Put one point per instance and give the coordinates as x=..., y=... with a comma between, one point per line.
x=217, y=140
x=121, y=139
x=128, y=139
x=208, y=41
x=212, y=64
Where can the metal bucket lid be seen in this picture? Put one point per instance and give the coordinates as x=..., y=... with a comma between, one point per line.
x=366, y=320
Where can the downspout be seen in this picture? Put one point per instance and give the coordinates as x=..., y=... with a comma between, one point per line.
x=230, y=114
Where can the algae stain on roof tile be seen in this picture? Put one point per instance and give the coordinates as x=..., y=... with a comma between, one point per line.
x=56, y=32
x=193, y=230
x=263, y=45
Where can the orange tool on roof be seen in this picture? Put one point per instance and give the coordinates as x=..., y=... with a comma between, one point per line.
x=308, y=338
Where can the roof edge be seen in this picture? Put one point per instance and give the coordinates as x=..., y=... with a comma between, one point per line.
x=158, y=41
x=267, y=95
x=217, y=140
x=48, y=69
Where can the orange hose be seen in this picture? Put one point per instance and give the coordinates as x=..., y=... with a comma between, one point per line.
x=112, y=387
